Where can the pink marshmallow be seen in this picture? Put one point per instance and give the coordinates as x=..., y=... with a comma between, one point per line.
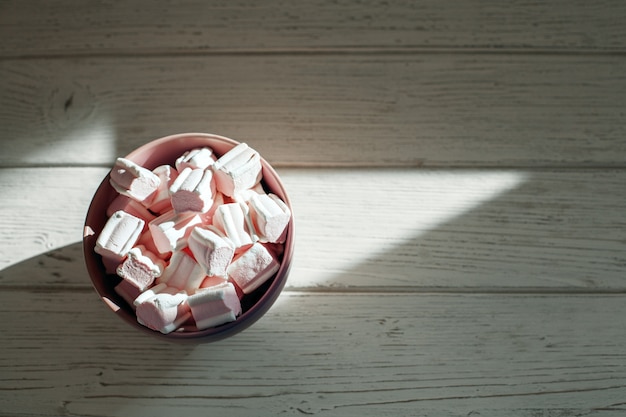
x=162, y=308
x=161, y=202
x=215, y=305
x=141, y=267
x=270, y=216
x=119, y=235
x=130, y=206
x=147, y=241
x=193, y=190
x=252, y=268
x=230, y=219
x=183, y=272
x=134, y=181
x=170, y=230
x=218, y=200
x=127, y=291
x=211, y=281
x=196, y=158
x=212, y=250
x=237, y=170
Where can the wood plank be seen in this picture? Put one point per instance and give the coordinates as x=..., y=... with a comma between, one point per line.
x=383, y=229
x=367, y=354
x=46, y=28
x=42, y=215
x=435, y=110
x=465, y=228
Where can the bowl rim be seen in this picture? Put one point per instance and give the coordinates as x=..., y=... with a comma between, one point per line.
x=96, y=272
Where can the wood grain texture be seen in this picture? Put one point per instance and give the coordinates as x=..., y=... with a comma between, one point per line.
x=141, y=26
x=323, y=354
x=457, y=174
x=391, y=110
x=383, y=229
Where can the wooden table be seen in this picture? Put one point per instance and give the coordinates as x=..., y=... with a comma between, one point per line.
x=457, y=171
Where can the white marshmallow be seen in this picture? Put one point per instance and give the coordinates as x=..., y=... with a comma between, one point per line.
x=170, y=230
x=161, y=202
x=252, y=268
x=141, y=267
x=237, y=170
x=162, y=308
x=183, y=272
x=213, y=306
x=119, y=235
x=196, y=158
x=270, y=216
x=212, y=250
x=230, y=219
x=245, y=195
x=134, y=181
x=193, y=190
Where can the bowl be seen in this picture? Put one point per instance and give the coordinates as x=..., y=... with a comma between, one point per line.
x=164, y=151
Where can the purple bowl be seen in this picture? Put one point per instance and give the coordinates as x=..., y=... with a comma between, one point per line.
x=165, y=151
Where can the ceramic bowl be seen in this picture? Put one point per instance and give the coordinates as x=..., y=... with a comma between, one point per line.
x=165, y=151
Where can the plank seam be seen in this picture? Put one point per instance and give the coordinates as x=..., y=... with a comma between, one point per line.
x=330, y=51
x=326, y=165
x=524, y=291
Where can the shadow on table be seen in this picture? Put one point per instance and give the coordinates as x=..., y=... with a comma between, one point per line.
x=551, y=229
x=91, y=357
x=57, y=328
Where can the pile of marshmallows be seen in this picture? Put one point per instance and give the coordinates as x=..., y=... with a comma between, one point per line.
x=190, y=241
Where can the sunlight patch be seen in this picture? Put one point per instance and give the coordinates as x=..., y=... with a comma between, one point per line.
x=361, y=215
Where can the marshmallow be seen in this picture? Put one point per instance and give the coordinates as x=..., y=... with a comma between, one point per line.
x=119, y=235
x=133, y=180
x=237, y=170
x=130, y=206
x=196, y=158
x=211, y=281
x=270, y=216
x=127, y=291
x=161, y=202
x=162, y=308
x=212, y=250
x=170, y=230
x=230, y=219
x=245, y=195
x=147, y=241
x=252, y=268
x=215, y=305
x=193, y=190
x=183, y=272
x=190, y=242
x=218, y=200
x=141, y=267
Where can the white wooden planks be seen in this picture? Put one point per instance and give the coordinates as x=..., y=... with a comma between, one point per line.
x=441, y=110
x=324, y=354
x=488, y=282
x=364, y=229
x=140, y=26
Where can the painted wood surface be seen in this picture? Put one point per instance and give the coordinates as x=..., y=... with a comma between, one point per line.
x=436, y=110
x=141, y=26
x=385, y=229
x=457, y=173
x=324, y=354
